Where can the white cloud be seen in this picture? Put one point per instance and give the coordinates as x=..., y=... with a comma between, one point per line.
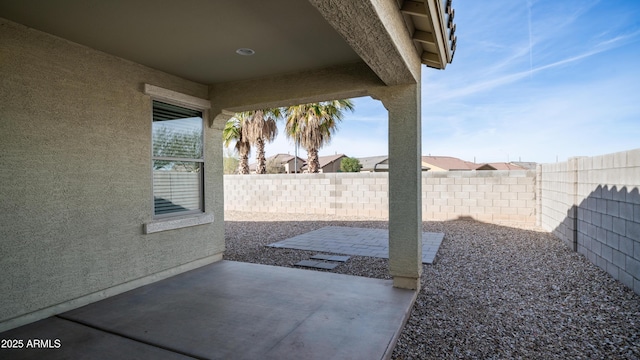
x=565, y=121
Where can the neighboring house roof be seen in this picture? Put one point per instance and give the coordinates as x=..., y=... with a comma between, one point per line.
x=525, y=164
x=281, y=159
x=448, y=163
x=325, y=160
x=374, y=163
x=484, y=167
x=328, y=160
x=379, y=164
x=506, y=166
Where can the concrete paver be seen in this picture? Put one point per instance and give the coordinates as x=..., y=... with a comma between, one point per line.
x=317, y=264
x=337, y=258
x=357, y=241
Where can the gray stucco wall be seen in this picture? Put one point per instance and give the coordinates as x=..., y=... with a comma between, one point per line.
x=75, y=174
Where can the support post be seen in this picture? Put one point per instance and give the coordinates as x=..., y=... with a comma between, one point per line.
x=405, y=178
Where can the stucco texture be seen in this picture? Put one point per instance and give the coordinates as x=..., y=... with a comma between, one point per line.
x=75, y=174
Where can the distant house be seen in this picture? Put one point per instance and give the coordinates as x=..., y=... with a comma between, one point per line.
x=448, y=163
x=328, y=164
x=286, y=161
x=374, y=164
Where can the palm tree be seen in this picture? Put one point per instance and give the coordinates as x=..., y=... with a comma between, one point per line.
x=252, y=128
x=261, y=128
x=233, y=131
x=311, y=125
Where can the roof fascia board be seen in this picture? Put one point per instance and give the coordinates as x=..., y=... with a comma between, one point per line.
x=392, y=56
x=438, y=22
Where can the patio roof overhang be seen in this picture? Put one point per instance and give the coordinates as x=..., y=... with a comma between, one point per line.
x=197, y=40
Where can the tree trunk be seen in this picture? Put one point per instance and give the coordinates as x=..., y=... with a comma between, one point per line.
x=261, y=166
x=314, y=164
x=243, y=166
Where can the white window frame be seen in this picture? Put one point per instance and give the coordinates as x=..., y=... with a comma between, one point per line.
x=179, y=219
x=199, y=161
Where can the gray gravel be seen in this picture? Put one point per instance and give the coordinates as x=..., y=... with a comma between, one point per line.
x=495, y=292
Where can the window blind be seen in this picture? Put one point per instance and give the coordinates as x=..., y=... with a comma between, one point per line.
x=177, y=159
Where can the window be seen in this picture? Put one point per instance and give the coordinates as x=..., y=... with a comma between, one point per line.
x=178, y=160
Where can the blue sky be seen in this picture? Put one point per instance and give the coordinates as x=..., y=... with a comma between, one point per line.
x=532, y=80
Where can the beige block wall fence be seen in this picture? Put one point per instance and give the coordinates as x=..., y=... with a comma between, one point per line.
x=342, y=194
x=493, y=196
x=503, y=197
x=591, y=203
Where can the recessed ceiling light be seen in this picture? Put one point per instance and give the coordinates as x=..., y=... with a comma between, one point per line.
x=245, y=51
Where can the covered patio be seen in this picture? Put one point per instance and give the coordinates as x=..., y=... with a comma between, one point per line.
x=84, y=87
x=230, y=310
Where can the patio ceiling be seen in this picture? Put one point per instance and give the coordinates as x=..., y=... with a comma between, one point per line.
x=194, y=39
x=198, y=39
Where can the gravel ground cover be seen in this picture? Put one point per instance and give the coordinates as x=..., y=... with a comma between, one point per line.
x=494, y=292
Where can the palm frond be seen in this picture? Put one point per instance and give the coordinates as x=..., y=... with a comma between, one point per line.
x=313, y=124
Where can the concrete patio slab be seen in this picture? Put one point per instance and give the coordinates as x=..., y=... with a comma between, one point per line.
x=357, y=241
x=232, y=310
x=76, y=341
